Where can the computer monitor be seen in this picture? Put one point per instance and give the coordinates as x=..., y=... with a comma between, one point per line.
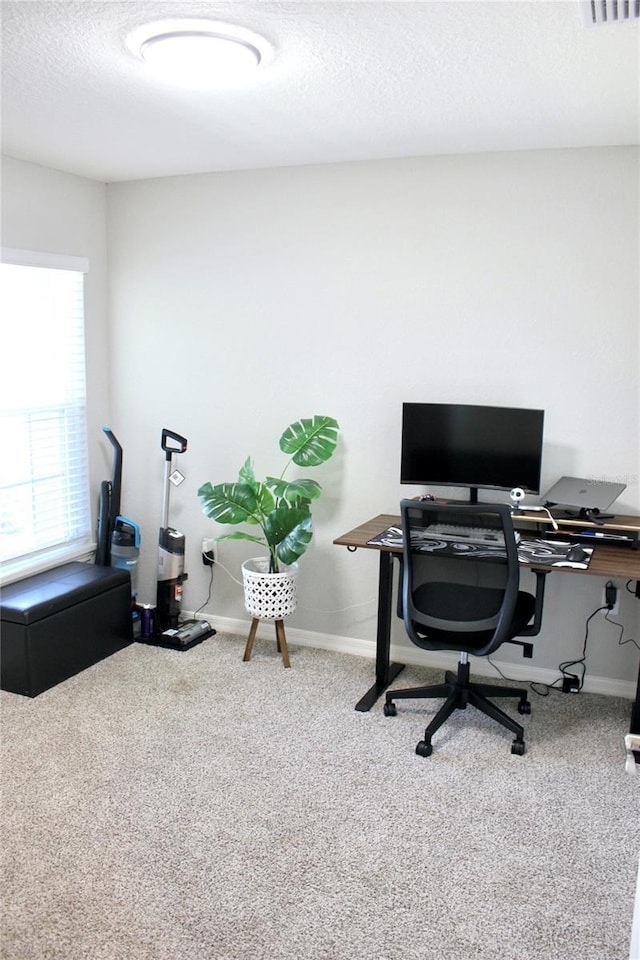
x=465, y=445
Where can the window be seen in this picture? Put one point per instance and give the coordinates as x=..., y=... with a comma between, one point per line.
x=45, y=514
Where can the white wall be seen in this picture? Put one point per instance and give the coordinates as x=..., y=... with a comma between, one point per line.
x=243, y=301
x=53, y=212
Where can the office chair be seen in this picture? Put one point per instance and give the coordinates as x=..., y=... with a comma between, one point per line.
x=458, y=595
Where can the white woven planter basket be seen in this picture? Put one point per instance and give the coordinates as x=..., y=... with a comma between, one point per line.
x=269, y=596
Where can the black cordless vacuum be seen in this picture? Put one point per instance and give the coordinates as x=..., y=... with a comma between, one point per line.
x=118, y=539
x=109, y=507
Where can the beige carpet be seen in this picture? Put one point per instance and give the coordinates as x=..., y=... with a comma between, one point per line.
x=189, y=806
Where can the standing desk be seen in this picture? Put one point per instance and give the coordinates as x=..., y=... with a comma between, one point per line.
x=606, y=561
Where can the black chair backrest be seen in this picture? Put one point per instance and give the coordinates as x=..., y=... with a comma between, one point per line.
x=457, y=595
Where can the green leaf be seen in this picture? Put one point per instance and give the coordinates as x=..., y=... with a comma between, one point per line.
x=309, y=489
x=296, y=542
x=239, y=535
x=294, y=490
x=281, y=522
x=228, y=502
x=246, y=474
x=265, y=500
x=310, y=442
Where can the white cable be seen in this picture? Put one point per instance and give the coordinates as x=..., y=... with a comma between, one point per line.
x=229, y=574
x=526, y=509
x=351, y=606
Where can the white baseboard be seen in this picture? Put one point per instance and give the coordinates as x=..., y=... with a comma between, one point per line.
x=520, y=673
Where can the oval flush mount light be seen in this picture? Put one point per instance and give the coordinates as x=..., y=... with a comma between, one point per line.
x=200, y=54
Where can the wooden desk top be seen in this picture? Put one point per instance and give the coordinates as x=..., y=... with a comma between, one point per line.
x=607, y=561
x=360, y=536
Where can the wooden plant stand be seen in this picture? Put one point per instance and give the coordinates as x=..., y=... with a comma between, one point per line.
x=281, y=640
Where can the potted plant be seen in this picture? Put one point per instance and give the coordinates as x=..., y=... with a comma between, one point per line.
x=280, y=508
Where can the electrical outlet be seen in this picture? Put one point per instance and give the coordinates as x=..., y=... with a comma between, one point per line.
x=611, y=598
x=208, y=554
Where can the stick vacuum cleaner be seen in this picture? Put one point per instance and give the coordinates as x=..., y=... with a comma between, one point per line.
x=118, y=540
x=109, y=507
x=171, y=573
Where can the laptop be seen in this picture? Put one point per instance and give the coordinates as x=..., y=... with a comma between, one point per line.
x=583, y=494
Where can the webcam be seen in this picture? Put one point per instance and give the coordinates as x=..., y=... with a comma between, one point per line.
x=517, y=495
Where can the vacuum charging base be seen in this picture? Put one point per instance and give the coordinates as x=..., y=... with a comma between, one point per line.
x=182, y=638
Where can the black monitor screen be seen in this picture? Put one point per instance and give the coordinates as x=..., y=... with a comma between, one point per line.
x=462, y=445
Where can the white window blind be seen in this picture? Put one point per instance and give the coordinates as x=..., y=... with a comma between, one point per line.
x=45, y=514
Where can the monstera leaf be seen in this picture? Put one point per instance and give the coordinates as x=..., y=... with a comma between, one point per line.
x=228, y=502
x=310, y=442
x=294, y=490
x=281, y=508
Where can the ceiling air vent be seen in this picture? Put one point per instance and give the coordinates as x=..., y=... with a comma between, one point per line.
x=598, y=12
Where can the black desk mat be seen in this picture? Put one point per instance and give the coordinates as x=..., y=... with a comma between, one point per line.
x=531, y=551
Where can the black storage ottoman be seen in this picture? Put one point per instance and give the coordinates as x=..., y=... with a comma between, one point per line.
x=57, y=623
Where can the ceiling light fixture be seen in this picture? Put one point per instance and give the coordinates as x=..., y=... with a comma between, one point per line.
x=200, y=54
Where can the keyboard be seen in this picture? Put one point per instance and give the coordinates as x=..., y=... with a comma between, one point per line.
x=456, y=533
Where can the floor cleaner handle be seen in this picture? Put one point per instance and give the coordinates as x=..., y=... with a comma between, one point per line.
x=171, y=443
x=180, y=443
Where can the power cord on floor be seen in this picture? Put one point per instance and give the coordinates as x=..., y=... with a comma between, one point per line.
x=568, y=666
x=532, y=684
x=543, y=689
x=565, y=667
x=580, y=663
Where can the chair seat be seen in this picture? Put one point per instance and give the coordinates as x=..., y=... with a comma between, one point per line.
x=455, y=601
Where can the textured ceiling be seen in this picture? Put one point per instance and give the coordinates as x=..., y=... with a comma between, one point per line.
x=349, y=81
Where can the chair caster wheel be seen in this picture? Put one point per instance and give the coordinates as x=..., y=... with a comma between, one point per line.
x=517, y=747
x=389, y=709
x=424, y=749
x=524, y=707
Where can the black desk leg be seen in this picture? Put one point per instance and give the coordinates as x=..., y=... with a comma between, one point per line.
x=386, y=672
